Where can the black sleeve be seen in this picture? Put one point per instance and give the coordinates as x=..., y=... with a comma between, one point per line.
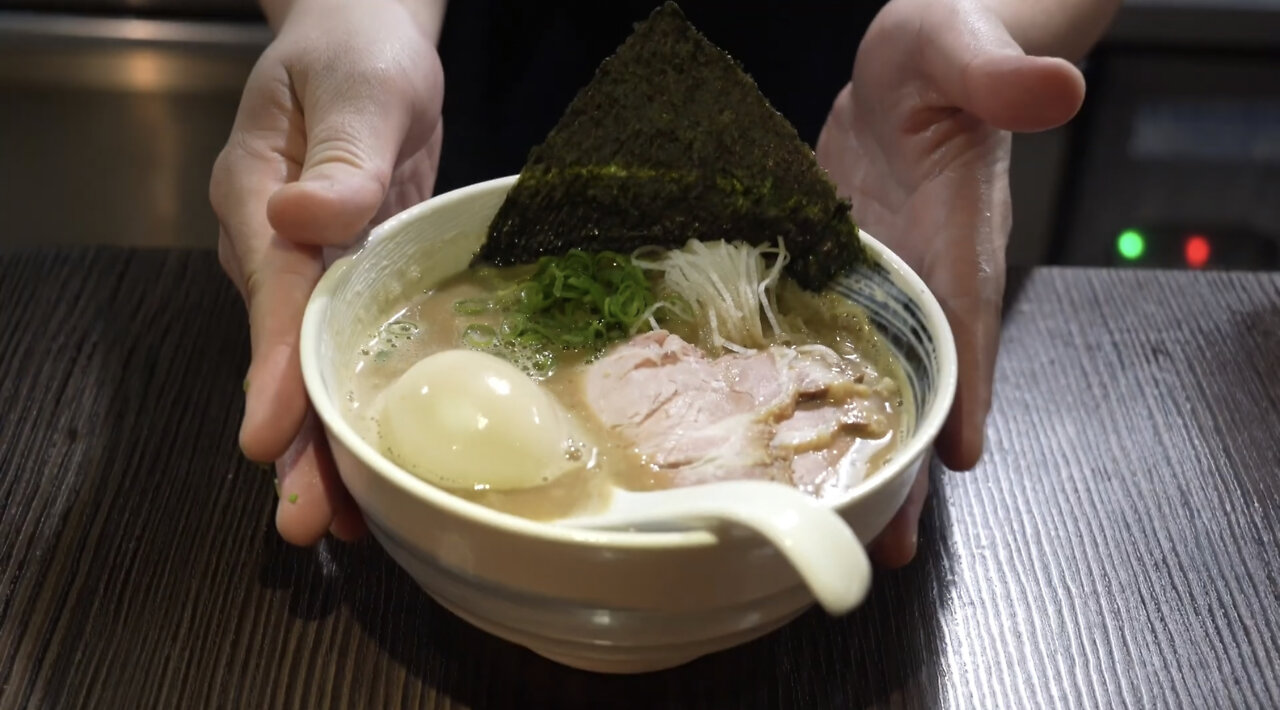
x=511, y=66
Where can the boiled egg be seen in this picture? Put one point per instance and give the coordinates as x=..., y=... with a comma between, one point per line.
x=467, y=419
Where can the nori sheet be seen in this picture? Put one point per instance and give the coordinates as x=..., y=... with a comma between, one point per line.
x=672, y=140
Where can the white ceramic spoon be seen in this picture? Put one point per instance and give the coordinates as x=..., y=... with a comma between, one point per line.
x=818, y=543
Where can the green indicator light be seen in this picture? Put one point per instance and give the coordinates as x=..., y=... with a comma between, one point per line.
x=1131, y=244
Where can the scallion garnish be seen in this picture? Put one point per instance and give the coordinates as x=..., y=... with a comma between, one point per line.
x=578, y=301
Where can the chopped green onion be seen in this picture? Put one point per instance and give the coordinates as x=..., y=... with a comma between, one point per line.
x=577, y=301
x=544, y=363
x=472, y=306
x=479, y=336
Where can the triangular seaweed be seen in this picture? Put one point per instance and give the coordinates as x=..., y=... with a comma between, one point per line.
x=671, y=140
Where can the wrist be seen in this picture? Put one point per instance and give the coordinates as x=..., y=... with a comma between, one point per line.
x=427, y=15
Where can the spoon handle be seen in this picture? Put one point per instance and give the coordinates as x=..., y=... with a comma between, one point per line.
x=816, y=541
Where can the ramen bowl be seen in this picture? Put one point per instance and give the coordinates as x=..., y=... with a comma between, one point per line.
x=603, y=600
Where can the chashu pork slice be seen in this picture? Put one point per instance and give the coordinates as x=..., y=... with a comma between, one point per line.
x=778, y=414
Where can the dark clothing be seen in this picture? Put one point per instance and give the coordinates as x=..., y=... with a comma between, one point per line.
x=512, y=66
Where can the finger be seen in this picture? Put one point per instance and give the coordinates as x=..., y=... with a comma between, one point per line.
x=977, y=66
x=970, y=288
x=278, y=287
x=414, y=179
x=966, y=211
x=353, y=139
x=230, y=261
x=348, y=523
x=274, y=276
x=962, y=439
x=896, y=545
x=312, y=498
x=1027, y=94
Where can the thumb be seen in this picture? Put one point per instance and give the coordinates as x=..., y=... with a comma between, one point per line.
x=352, y=144
x=978, y=67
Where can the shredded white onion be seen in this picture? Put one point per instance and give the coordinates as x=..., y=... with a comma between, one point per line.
x=729, y=286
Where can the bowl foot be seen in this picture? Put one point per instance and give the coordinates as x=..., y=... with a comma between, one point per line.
x=620, y=666
x=619, y=660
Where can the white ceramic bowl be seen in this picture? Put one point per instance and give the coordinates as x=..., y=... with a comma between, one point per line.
x=604, y=601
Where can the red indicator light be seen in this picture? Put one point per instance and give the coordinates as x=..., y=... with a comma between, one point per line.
x=1196, y=251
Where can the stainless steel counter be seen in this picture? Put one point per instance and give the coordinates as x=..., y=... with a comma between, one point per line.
x=109, y=126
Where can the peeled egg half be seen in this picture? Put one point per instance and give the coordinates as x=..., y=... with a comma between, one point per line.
x=466, y=419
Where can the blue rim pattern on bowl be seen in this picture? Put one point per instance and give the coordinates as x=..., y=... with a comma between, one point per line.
x=899, y=320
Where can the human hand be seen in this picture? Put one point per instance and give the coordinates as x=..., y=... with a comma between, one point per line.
x=920, y=142
x=338, y=127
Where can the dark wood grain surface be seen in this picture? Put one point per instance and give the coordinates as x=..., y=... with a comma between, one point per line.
x=1118, y=547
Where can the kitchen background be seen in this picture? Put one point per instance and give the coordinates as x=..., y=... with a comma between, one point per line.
x=112, y=111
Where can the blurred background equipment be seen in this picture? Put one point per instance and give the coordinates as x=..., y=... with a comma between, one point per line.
x=1176, y=159
x=112, y=111
x=111, y=117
